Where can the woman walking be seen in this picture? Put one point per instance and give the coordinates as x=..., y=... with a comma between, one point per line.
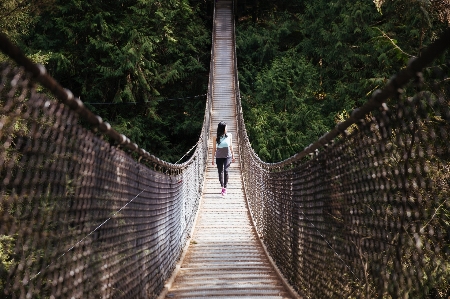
x=223, y=152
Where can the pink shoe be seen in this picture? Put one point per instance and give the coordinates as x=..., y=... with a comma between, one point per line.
x=224, y=191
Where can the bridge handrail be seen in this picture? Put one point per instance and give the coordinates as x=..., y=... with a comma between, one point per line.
x=81, y=216
x=364, y=217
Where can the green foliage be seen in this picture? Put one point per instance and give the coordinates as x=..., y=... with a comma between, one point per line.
x=283, y=113
x=16, y=19
x=350, y=48
x=7, y=244
x=126, y=52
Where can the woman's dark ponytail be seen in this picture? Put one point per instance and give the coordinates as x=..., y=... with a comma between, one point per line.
x=220, y=131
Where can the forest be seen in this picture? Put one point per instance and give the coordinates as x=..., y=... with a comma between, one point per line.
x=143, y=65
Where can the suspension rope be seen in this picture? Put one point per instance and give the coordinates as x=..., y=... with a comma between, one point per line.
x=188, y=152
x=329, y=245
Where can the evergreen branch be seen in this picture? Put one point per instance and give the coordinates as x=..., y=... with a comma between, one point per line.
x=19, y=5
x=432, y=217
x=23, y=4
x=393, y=43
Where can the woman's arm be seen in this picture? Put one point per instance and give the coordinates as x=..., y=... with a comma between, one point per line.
x=231, y=148
x=213, y=151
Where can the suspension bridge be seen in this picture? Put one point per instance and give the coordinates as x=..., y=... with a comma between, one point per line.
x=361, y=213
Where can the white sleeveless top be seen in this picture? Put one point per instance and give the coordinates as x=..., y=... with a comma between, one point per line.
x=223, y=148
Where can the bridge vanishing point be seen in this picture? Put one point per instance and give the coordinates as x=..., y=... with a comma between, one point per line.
x=361, y=213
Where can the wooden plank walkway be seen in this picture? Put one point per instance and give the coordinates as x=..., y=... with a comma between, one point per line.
x=225, y=258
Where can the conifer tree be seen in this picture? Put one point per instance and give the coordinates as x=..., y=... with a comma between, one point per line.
x=131, y=51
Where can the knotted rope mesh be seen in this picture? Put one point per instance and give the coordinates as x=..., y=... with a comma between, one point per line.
x=366, y=213
x=80, y=217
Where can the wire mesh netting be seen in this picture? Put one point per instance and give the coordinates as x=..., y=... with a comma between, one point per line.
x=365, y=214
x=81, y=218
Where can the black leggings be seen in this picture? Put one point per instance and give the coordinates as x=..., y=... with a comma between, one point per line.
x=222, y=167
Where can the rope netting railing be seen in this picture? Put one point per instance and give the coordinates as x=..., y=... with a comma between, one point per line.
x=84, y=212
x=365, y=211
